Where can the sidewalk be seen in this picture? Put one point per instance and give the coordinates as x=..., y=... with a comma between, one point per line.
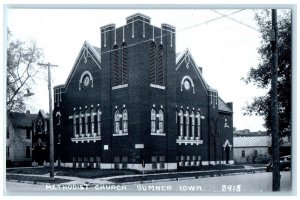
x=73, y=180
x=151, y=177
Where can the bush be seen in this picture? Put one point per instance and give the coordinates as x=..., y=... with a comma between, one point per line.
x=262, y=159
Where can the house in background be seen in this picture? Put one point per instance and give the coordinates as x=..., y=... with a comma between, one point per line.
x=19, y=138
x=40, y=139
x=251, y=147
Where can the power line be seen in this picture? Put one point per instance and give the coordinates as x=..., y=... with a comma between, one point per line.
x=211, y=20
x=184, y=29
x=235, y=20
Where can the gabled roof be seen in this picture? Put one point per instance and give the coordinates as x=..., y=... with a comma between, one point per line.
x=180, y=57
x=43, y=114
x=255, y=141
x=222, y=106
x=85, y=49
x=21, y=120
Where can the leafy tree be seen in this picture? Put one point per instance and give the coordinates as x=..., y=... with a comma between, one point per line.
x=22, y=67
x=261, y=75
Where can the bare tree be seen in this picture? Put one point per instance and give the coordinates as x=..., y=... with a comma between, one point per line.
x=22, y=59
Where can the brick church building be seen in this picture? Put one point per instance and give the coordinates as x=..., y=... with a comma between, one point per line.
x=135, y=103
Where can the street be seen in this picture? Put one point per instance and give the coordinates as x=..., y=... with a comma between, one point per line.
x=244, y=183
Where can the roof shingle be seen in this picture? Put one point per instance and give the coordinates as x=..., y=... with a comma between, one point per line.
x=257, y=141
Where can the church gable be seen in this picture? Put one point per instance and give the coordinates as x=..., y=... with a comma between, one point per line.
x=88, y=55
x=189, y=73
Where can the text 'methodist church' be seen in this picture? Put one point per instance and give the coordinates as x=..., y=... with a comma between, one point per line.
x=135, y=103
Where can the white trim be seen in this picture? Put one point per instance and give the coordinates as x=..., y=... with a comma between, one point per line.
x=115, y=37
x=186, y=52
x=171, y=39
x=82, y=75
x=153, y=33
x=227, y=143
x=77, y=61
x=123, y=35
x=120, y=134
x=144, y=29
x=107, y=26
x=86, y=139
x=105, y=147
x=160, y=36
x=190, y=79
x=138, y=15
x=57, y=113
x=104, y=36
x=189, y=141
x=139, y=146
x=70, y=165
x=119, y=86
x=106, y=165
x=168, y=25
x=158, y=134
x=157, y=86
x=94, y=51
x=205, y=162
x=132, y=30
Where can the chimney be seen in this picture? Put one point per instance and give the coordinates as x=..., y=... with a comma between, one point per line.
x=27, y=111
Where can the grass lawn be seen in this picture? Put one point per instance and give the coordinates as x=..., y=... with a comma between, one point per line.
x=36, y=179
x=37, y=171
x=74, y=172
x=93, y=173
x=209, y=167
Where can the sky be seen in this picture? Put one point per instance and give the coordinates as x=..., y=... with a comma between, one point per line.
x=224, y=48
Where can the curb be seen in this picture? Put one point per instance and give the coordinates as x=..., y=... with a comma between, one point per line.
x=247, y=171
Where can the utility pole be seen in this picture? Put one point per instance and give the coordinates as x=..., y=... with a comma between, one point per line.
x=274, y=104
x=50, y=119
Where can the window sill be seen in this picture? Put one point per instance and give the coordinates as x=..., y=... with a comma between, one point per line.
x=158, y=134
x=157, y=86
x=84, y=138
x=120, y=134
x=189, y=141
x=119, y=86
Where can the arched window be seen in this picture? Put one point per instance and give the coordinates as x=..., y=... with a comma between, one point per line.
x=74, y=124
x=98, y=121
x=193, y=124
x=152, y=63
x=187, y=123
x=92, y=121
x=153, y=120
x=86, y=122
x=124, y=64
x=125, y=121
x=160, y=66
x=58, y=115
x=46, y=126
x=117, y=122
x=80, y=123
x=180, y=115
x=161, y=121
x=198, y=125
x=116, y=71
